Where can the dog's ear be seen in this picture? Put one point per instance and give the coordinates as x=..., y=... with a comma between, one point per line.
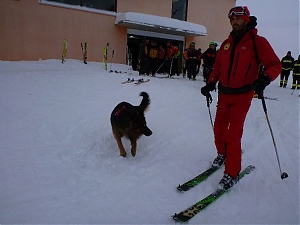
x=146, y=131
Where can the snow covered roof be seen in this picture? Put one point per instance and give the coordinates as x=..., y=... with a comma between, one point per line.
x=159, y=24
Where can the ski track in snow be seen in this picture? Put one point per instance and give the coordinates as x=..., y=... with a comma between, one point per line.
x=60, y=163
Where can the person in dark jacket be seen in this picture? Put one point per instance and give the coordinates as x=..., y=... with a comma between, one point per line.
x=209, y=57
x=192, y=54
x=199, y=55
x=144, y=59
x=236, y=71
x=296, y=74
x=287, y=65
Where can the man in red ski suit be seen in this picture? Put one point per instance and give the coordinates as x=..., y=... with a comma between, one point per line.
x=172, y=54
x=236, y=69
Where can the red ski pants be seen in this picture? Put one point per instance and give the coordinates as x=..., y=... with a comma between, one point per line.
x=228, y=128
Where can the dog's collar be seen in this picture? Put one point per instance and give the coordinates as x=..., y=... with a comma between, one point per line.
x=120, y=110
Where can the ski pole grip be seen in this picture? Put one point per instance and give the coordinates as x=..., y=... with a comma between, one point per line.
x=208, y=99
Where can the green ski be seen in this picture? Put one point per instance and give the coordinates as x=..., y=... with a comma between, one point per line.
x=198, y=179
x=187, y=214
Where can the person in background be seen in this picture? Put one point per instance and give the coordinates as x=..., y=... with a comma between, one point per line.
x=161, y=60
x=199, y=55
x=192, y=61
x=236, y=71
x=296, y=74
x=209, y=57
x=172, y=59
x=287, y=65
x=143, y=58
x=185, y=57
x=153, y=54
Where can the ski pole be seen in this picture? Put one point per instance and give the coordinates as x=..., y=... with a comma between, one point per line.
x=293, y=91
x=208, y=102
x=282, y=174
x=298, y=81
x=171, y=67
x=160, y=66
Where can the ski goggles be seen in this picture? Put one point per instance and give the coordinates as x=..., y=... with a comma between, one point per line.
x=238, y=11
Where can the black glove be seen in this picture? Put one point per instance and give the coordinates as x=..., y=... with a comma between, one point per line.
x=260, y=84
x=259, y=94
x=207, y=88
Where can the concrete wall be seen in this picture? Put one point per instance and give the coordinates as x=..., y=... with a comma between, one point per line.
x=213, y=15
x=30, y=30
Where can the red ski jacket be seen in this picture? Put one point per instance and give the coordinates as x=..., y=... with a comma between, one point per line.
x=239, y=68
x=172, y=51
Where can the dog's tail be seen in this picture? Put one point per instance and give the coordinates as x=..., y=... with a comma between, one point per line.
x=145, y=101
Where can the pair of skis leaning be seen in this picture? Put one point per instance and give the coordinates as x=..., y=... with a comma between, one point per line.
x=187, y=214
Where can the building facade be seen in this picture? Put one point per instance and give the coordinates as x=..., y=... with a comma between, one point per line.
x=35, y=29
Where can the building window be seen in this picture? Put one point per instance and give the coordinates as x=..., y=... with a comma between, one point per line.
x=109, y=5
x=68, y=2
x=179, y=9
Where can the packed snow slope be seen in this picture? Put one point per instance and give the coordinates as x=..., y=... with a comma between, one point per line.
x=59, y=161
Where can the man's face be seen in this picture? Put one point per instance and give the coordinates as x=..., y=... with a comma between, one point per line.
x=213, y=47
x=238, y=24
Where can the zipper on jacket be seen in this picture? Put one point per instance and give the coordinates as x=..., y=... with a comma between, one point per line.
x=231, y=62
x=236, y=63
x=249, y=67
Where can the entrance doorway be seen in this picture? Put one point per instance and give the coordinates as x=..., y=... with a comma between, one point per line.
x=133, y=48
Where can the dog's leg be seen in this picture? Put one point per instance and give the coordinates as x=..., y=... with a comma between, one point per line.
x=133, y=146
x=120, y=145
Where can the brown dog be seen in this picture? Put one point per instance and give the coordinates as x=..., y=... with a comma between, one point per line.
x=129, y=121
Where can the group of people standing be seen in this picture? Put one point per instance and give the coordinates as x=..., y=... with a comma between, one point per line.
x=193, y=60
x=154, y=60
x=288, y=65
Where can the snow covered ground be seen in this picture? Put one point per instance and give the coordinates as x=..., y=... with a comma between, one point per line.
x=59, y=162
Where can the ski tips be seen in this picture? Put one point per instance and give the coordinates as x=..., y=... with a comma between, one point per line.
x=250, y=168
x=179, y=188
x=175, y=217
x=284, y=175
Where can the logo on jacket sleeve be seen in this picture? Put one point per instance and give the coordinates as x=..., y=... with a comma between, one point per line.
x=227, y=46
